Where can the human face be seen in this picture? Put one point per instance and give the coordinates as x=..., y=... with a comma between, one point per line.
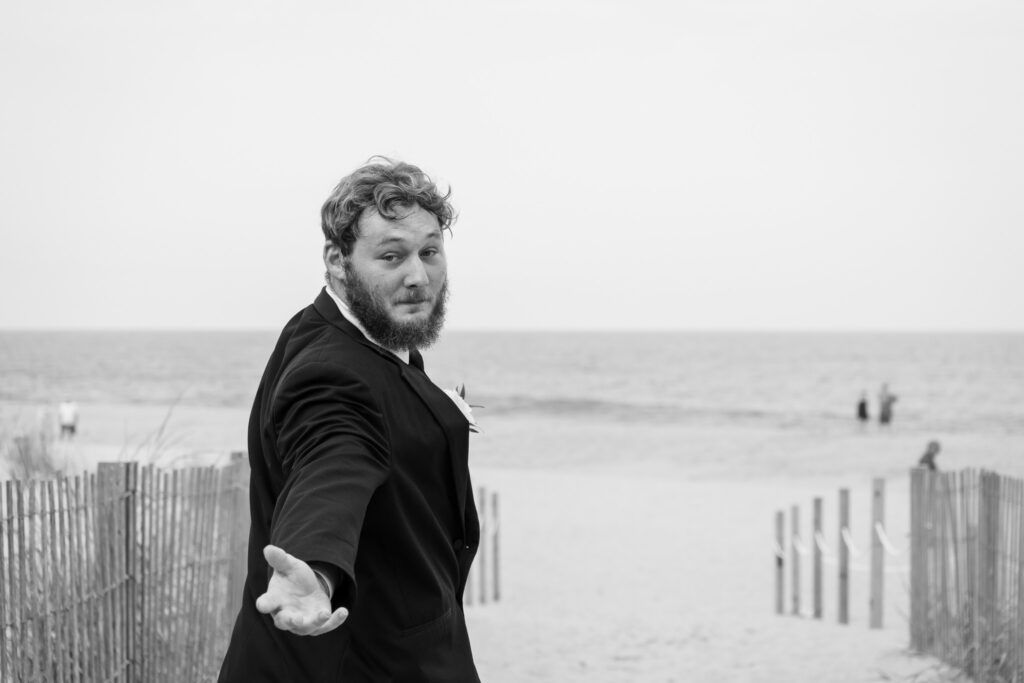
x=395, y=278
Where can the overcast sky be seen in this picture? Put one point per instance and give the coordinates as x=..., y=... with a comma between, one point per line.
x=616, y=165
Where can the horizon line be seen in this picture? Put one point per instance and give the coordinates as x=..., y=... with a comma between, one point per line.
x=534, y=330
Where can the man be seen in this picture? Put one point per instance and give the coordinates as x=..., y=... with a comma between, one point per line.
x=363, y=520
x=885, y=401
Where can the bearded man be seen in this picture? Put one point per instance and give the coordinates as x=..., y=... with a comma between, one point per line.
x=363, y=520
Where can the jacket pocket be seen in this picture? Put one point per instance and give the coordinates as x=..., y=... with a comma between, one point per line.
x=435, y=625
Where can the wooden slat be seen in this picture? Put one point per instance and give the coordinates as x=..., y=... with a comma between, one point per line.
x=844, y=557
x=145, y=570
x=877, y=587
x=208, y=580
x=131, y=562
x=24, y=584
x=174, y=566
x=33, y=626
x=65, y=491
x=780, y=563
x=5, y=598
x=495, y=539
x=482, y=550
x=59, y=581
x=193, y=511
x=794, y=568
x=818, y=576
x=918, y=578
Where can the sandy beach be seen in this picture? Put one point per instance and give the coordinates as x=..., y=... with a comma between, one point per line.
x=644, y=554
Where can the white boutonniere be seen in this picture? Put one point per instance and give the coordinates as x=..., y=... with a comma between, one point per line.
x=458, y=397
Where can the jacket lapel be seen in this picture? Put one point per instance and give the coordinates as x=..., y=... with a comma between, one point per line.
x=451, y=420
x=441, y=407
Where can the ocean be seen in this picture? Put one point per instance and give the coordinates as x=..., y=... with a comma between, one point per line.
x=808, y=382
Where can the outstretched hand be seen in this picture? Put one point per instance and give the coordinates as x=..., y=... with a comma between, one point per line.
x=295, y=597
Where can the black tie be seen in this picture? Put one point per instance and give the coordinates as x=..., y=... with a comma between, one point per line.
x=415, y=359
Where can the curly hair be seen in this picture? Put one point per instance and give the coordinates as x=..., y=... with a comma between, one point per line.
x=387, y=186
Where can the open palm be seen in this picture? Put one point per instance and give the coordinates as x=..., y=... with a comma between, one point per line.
x=295, y=598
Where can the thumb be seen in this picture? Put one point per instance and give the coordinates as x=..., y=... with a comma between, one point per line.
x=278, y=559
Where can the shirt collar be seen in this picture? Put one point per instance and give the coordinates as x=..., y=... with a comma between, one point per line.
x=347, y=313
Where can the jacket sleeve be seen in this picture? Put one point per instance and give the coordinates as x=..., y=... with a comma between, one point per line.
x=334, y=452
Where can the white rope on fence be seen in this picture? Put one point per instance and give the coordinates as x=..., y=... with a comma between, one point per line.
x=885, y=540
x=902, y=569
x=819, y=540
x=800, y=547
x=779, y=552
x=848, y=540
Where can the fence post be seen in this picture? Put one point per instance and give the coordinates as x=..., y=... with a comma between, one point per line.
x=780, y=530
x=118, y=482
x=877, y=552
x=5, y=586
x=485, y=524
x=133, y=618
x=817, y=559
x=919, y=589
x=795, y=556
x=494, y=532
x=844, y=556
x=991, y=622
x=238, y=555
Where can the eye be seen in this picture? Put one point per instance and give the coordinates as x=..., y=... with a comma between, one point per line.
x=389, y=258
x=430, y=252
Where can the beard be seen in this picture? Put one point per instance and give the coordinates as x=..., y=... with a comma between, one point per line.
x=371, y=311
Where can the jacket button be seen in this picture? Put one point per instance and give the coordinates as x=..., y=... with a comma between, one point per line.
x=457, y=544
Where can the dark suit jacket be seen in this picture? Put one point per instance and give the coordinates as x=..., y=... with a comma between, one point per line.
x=358, y=461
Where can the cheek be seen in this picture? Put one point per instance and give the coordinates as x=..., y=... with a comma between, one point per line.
x=438, y=274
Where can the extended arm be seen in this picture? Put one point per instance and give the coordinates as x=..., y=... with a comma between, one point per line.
x=334, y=454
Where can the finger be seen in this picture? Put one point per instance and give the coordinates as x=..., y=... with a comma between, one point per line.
x=278, y=559
x=336, y=619
x=291, y=620
x=300, y=624
x=268, y=604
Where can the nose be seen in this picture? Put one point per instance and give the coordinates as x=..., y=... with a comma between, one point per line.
x=416, y=273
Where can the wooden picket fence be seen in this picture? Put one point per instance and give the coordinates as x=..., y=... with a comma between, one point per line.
x=126, y=574
x=967, y=571
x=135, y=573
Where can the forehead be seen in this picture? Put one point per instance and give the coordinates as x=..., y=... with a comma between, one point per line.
x=414, y=224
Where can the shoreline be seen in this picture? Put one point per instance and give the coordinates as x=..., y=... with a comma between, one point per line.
x=198, y=434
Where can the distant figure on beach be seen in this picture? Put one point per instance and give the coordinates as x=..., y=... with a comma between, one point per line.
x=885, y=401
x=363, y=520
x=67, y=415
x=928, y=459
x=862, y=407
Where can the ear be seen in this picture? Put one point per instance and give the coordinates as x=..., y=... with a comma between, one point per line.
x=334, y=261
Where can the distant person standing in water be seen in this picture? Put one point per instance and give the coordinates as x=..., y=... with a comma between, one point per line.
x=928, y=459
x=67, y=415
x=862, y=407
x=885, y=401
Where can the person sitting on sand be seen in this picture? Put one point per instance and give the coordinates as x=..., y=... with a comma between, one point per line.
x=928, y=459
